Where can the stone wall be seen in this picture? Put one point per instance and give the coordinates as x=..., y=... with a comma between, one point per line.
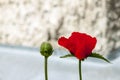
x=30, y=22
x=113, y=23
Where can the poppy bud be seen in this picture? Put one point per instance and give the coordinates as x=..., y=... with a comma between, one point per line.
x=46, y=49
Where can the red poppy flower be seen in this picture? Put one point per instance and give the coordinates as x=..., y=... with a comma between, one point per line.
x=79, y=44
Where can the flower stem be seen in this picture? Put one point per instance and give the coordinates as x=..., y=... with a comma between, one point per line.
x=80, y=72
x=46, y=74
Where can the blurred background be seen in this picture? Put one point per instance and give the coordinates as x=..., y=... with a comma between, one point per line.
x=25, y=24
x=29, y=23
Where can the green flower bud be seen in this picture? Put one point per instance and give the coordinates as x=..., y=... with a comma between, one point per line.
x=46, y=49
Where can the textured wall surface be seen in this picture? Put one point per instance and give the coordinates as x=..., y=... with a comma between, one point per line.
x=113, y=23
x=29, y=22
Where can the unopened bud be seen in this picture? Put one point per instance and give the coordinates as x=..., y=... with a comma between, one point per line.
x=46, y=49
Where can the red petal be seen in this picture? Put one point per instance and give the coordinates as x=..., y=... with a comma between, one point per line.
x=79, y=44
x=80, y=51
x=67, y=44
x=63, y=42
x=90, y=45
x=85, y=44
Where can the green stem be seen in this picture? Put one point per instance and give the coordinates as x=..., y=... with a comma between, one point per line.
x=80, y=72
x=46, y=74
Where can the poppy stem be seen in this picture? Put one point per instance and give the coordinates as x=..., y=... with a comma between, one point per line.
x=80, y=72
x=45, y=67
